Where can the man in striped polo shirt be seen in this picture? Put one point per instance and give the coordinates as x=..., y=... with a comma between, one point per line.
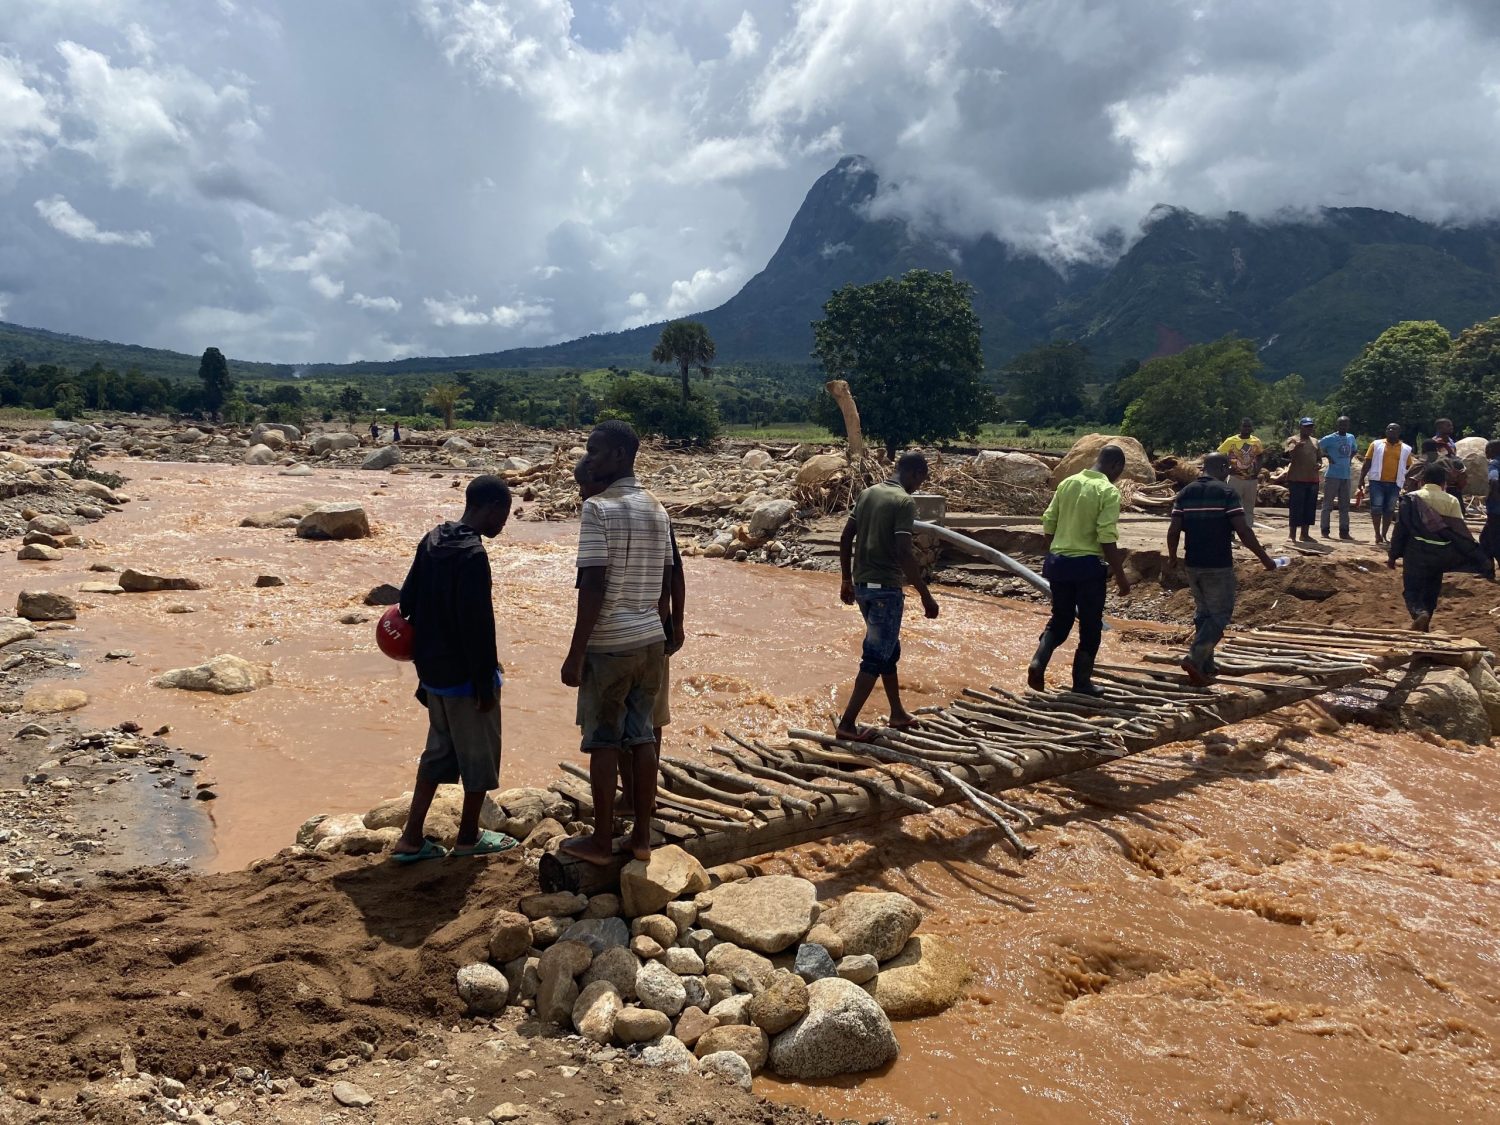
x=616, y=658
x=1208, y=512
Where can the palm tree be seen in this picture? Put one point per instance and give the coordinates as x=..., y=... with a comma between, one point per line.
x=687, y=344
x=444, y=397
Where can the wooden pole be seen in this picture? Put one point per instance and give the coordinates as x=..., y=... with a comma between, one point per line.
x=840, y=813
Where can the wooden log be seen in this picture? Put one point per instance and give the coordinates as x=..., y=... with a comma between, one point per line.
x=845, y=812
x=838, y=390
x=750, y=785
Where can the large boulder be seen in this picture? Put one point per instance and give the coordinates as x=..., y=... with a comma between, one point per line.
x=223, y=675
x=290, y=515
x=382, y=458
x=925, y=978
x=13, y=629
x=135, y=581
x=1484, y=682
x=875, y=922
x=1085, y=452
x=646, y=886
x=260, y=455
x=768, y=914
x=49, y=525
x=38, y=552
x=844, y=1032
x=332, y=443
x=770, y=517
x=1476, y=465
x=50, y=699
x=1018, y=469
x=334, y=521
x=1447, y=703
x=45, y=605
x=822, y=468
x=756, y=459
x=190, y=436
x=274, y=440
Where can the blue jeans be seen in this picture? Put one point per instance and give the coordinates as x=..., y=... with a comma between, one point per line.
x=1213, y=594
x=881, y=608
x=1383, y=497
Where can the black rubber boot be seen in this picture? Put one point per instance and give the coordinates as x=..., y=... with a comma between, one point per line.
x=1036, y=671
x=1083, y=676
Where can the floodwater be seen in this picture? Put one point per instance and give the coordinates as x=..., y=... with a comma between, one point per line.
x=1293, y=924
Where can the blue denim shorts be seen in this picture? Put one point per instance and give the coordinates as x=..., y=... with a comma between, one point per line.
x=881, y=608
x=1383, y=496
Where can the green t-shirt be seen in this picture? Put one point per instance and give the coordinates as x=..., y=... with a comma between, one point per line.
x=882, y=512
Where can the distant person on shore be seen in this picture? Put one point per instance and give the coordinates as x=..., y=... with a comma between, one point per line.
x=446, y=597
x=1245, y=453
x=617, y=653
x=1489, y=538
x=1431, y=539
x=1444, y=437
x=1081, y=526
x=1387, y=460
x=375, y=432
x=1207, y=512
x=672, y=610
x=395, y=431
x=1303, y=459
x=1339, y=448
x=876, y=562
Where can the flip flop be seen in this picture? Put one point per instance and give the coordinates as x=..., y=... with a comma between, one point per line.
x=861, y=734
x=430, y=849
x=489, y=843
x=910, y=724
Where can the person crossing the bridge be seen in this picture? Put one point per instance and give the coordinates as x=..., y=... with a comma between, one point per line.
x=876, y=560
x=1081, y=526
x=1431, y=538
x=1207, y=512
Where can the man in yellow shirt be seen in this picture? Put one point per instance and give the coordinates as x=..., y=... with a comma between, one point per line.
x=1082, y=529
x=1387, y=460
x=1245, y=453
x=1430, y=539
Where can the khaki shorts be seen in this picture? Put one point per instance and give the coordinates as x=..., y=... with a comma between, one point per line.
x=618, y=697
x=661, y=714
x=463, y=743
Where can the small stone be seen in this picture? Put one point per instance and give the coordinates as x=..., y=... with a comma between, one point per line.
x=483, y=988
x=859, y=968
x=780, y=1004
x=646, y=886
x=658, y=927
x=602, y=906
x=823, y=934
x=560, y=904
x=692, y=1024
x=656, y=986
x=670, y=1054
x=347, y=1093
x=729, y=1066
x=877, y=922
x=45, y=605
x=745, y=1040
x=509, y=1111
x=640, y=1025
x=598, y=934
x=510, y=936
x=682, y=914
x=619, y=967
x=644, y=946
x=814, y=963
x=683, y=962
x=595, y=1011
x=266, y=581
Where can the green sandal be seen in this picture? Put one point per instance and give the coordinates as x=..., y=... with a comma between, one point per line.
x=489, y=843
x=430, y=849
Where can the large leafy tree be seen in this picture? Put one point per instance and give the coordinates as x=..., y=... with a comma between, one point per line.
x=1046, y=384
x=909, y=348
x=352, y=402
x=213, y=371
x=1189, y=402
x=687, y=344
x=1469, y=383
x=1395, y=377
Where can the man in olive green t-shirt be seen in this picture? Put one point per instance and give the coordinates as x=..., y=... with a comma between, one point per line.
x=875, y=556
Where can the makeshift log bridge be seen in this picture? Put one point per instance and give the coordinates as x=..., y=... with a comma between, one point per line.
x=756, y=798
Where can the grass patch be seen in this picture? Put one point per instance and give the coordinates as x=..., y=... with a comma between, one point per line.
x=805, y=432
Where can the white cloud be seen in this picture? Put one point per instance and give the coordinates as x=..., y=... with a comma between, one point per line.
x=375, y=304
x=28, y=125
x=337, y=240
x=744, y=38
x=459, y=312
x=64, y=218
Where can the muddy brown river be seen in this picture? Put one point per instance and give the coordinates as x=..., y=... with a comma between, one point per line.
x=1294, y=924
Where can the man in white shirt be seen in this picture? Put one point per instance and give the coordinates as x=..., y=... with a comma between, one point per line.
x=1387, y=460
x=618, y=649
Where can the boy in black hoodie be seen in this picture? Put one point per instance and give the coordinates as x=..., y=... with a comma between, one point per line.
x=446, y=597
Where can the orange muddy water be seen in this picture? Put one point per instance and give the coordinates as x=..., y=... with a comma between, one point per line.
x=1286, y=926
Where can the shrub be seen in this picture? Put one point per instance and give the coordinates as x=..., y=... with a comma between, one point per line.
x=654, y=406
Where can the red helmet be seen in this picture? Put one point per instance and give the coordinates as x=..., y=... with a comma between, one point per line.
x=394, y=634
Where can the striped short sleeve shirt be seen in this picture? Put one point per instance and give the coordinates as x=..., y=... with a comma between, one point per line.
x=626, y=530
x=1204, y=509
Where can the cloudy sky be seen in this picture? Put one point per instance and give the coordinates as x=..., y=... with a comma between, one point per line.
x=346, y=179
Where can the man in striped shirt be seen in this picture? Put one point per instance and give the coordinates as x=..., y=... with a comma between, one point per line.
x=616, y=657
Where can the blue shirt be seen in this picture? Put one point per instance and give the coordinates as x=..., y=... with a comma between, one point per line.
x=1339, y=449
x=1492, y=502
